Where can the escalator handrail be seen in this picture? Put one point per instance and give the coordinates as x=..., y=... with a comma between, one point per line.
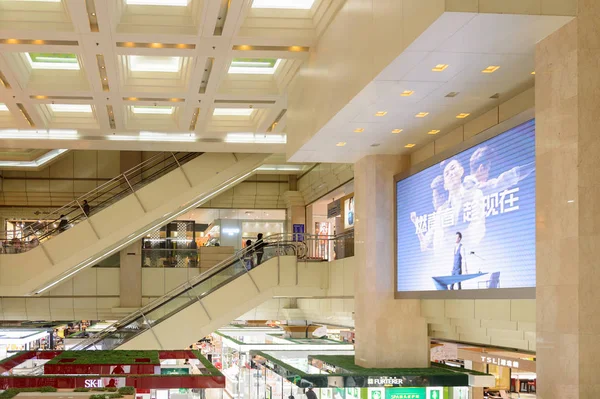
x=175, y=293
x=173, y=160
x=279, y=240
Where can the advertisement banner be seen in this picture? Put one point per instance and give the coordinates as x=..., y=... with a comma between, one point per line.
x=405, y=393
x=468, y=222
x=348, y=213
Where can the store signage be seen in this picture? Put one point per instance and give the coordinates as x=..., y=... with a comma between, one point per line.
x=334, y=209
x=93, y=383
x=231, y=230
x=384, y=382
x=500, y=362
x=406, y=393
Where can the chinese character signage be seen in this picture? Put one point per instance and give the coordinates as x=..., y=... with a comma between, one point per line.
x=468, y=222
x=406, y=393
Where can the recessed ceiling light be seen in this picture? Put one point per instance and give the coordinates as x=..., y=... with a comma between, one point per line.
x=462, y=115
x=439, y=67
x=3, y=107
x=254, y=66
x=380, y=113
x=341, y=144
x=233, y=111
x=142, y=63
x=70, y=107
x=533, y=73
x=375, y=145
x=359, y=130
x=173, y=3
x=433, y=132
x=396, y=131
x=495, y=96
x=409, y=145
x=44, y=1
x=452, y=94
x=64, y=61
x=407, y=93
x=491, y=69
x=422, y=114
x=162, y=110
x=290, y=4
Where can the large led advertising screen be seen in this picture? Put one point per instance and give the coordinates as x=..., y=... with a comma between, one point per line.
x=468, y=222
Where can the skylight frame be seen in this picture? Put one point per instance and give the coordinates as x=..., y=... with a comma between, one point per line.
x=241, y=112
x=68, y=66
x=71, y=108
x=250, y=70
x=163, y=3
x=283, y=4
x=152, y=110
x=142, y=63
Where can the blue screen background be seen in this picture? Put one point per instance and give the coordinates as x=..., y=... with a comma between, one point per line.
x=507, y=244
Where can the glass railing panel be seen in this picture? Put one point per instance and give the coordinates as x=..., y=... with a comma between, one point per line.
x=170, y=258
x=93, y=202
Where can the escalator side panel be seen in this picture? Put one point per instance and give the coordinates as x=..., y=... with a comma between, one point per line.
x=232, y=300
x=123, y=221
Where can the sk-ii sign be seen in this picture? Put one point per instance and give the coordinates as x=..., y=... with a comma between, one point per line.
x=93, y=383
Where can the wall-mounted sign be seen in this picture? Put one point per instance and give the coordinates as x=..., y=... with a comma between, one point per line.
x=230, y=230
x=334, y=209
x=298, y=230
x=384, y=382
x=349, y=213
x=406, y=393
x=93, y=383
x=502, y=361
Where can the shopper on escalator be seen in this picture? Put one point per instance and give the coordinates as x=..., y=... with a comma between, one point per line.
x=248, y=256
x=259, y=248
x=63, y=224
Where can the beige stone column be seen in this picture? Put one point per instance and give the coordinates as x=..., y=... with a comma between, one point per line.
x=296, y=210
x=131, y=276
x=389, y=332
x=568, y=221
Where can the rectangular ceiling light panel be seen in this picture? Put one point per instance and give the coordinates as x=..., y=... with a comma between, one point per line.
x=142, y=63
x=70, y=107
x=172, y=3
x=256, y=66
x=152, y=110
x=65, y=61
x=3, y=108
x=288, y=4
x=233, y=111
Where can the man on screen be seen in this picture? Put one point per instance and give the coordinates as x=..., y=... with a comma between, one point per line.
x=434, y=236
x=481, y=164
x=465, y=205
x=460, y=260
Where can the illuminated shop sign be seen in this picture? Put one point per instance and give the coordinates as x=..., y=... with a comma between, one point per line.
x=93, y=383
x=500, y=362
x=384, y=382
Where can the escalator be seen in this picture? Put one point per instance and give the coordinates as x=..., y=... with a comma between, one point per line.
x=214, y=298
x=114, y=215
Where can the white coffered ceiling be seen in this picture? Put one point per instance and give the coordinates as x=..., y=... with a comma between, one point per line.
x=198, y=75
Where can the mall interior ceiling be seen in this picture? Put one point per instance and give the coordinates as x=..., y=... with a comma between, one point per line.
x=285, y=106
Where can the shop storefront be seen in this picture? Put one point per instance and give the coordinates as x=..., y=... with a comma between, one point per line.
x=333, y=215
x=232, y=353
x=285, y=375
x=15, y=340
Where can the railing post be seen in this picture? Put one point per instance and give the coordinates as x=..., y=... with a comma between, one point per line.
x=134, y=193
x=182, y=171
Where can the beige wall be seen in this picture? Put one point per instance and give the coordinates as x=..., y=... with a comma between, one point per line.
x=324, y=178
x=260, y=191
x=520, y=103
x=74, y=174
